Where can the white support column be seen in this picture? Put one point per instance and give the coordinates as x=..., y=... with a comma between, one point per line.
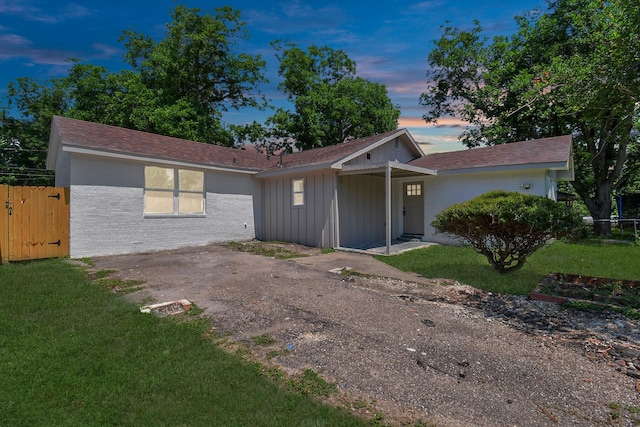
x=387, y=176
x=336, y=212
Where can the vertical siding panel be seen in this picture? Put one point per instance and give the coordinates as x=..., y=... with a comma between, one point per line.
x=280, y=204
x=286, y=197
x=371, y=209
x=322, y=207
x=310, y=211
x=273, y=195
x=266, y=211
x=361, y=209
x=328, y=224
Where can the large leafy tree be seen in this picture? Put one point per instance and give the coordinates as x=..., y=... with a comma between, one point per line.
x=572, y=69
x=330, y=103
x=178, y=86
x=195, y=73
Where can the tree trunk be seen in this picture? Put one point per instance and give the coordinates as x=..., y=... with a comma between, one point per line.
x=601, y=214
x=599, y=206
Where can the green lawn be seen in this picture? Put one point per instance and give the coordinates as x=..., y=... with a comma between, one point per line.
x=466, y=266
x=72, y=353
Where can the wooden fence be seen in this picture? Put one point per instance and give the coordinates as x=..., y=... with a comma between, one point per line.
x=34, y=223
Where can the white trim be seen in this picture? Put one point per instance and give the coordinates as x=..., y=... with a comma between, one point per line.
x=293, y=171
x=339, y=164
x=381, y=168
x=560, y=166
x=294, y=192
x=154, y=160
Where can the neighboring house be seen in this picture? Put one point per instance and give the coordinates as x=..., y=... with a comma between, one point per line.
x=132, y=191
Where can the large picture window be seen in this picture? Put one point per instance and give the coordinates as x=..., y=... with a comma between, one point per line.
x=172, y=191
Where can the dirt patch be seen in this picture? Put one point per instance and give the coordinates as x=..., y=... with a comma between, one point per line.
x=446, y=355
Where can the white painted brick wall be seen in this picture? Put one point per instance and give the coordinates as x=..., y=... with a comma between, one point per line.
x=109, y=220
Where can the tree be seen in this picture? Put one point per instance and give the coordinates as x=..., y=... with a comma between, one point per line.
x=331, y=104
x=24, y=140
x=193, y=75
x=177, y=87
x=574, y=69
x=507, y=227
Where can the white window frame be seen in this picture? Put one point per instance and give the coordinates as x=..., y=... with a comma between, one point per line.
x=300, y=193
x=176, y=191
x=414, y=189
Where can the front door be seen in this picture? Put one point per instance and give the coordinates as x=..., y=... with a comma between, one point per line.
x=413, y=208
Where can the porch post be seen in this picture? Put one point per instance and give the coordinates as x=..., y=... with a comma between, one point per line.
x=387, y=176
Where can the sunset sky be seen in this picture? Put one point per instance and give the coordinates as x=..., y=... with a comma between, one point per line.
x=389, y=41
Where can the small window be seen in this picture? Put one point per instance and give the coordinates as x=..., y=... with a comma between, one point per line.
x=298, y=192
x=414, y=189
x=171, y=191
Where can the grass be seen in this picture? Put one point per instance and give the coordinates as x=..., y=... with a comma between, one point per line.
x=268, y=249
x=74, y=353
x=264, y=339
x=464, y=265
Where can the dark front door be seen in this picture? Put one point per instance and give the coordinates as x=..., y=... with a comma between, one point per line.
x=413, y=208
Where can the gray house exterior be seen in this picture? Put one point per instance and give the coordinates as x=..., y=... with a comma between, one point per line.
x=132, y=191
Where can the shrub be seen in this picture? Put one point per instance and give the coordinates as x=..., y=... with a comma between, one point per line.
x=507, y=227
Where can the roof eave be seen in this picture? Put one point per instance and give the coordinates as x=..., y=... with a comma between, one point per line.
x=158, y=160
x=338, y=164
x=294, y=170
x=54, y=147
x=501, y=168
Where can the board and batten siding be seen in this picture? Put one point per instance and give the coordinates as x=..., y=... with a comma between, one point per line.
x=392, y=150
x=107, y=210
x=310, y=224
x=444, y=191
x=361, y=201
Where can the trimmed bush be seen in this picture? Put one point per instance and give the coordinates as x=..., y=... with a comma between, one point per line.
x=507, y=227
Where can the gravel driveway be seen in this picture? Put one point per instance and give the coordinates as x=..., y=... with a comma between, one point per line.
x=413, y=351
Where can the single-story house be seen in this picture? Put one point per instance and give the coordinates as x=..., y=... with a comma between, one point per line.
x=133, y=191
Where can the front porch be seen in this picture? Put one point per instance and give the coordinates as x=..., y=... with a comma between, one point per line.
x=396, y=247
x=374, y=211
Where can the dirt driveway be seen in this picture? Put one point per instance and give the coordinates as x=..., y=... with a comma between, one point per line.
x=406, y=349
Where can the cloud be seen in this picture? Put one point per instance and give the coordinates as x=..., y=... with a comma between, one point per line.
x=425, y=6
x=104, y=51
x=29, y=12
x=447, y=122
x=296, y=17
x=15, y=46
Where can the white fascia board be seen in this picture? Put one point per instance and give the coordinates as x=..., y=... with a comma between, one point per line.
x=154, y=160
x=52, y=152
x=294, y=170
x=381, y=167
x=339, y=163
x=410, y=168
x=561, y=166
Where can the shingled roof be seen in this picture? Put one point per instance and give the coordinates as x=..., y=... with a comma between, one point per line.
x=116, y=140
x=547, y=151
x=332, y=153
x=82, y=135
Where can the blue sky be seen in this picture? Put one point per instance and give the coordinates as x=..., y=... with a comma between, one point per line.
x=389, y=40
